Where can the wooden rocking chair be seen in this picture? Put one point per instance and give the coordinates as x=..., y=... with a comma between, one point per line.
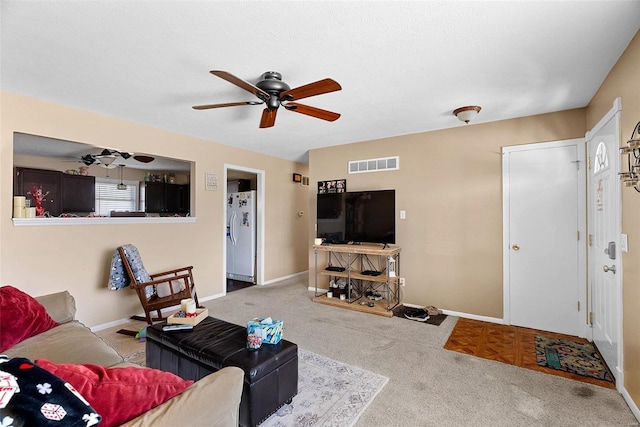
x=156, y=291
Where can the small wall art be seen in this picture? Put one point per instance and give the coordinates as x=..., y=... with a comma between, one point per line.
x=332, y=186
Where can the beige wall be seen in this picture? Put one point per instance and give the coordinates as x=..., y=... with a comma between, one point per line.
x=623, y=81
x=44, y=259
x=450, y=185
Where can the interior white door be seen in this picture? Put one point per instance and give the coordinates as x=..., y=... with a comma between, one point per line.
x=542, y=202
x=604, y=229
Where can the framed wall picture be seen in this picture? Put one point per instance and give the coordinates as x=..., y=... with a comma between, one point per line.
x=332, y=186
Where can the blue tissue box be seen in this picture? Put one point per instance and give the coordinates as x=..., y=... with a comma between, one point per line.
x=270, y=333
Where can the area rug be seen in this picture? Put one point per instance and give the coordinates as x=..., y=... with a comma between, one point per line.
x=570, y=356
x=432, y=320
x=330, y=394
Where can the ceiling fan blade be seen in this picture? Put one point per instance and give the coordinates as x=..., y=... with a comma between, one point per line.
x=228, y=104
x=318, y=113
x=311, y=89
x=241, y=83
x=143, y=159
x=268, y=118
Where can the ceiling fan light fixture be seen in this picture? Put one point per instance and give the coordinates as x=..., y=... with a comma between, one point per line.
x=109, y=166
x=466, y=114
x=107, y=160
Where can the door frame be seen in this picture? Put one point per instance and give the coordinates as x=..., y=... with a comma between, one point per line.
x=260, y=224
x=613, y=114
x=579, y=143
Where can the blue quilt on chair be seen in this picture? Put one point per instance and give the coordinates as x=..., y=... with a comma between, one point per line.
x=118, y=278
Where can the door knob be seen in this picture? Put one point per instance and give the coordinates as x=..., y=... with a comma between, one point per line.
x=607, y=269
x=515, y=247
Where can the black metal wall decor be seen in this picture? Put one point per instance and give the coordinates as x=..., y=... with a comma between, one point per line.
x=332, y=186
x=631, y=178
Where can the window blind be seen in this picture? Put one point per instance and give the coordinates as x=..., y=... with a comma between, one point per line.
x=109, y=198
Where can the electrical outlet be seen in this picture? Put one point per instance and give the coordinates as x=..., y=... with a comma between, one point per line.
x=401, y=281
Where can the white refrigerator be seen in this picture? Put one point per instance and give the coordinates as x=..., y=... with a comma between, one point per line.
x=241, y=236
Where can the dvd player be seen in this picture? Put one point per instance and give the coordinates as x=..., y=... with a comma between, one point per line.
x=371, y=273
x=332, y=268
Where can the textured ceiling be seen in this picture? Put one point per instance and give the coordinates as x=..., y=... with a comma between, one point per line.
x=403, y=66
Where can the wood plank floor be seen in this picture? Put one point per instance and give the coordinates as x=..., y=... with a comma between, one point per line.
x=234, y=285
x=509, y=344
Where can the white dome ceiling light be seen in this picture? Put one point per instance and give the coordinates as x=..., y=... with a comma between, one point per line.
x=466, y=114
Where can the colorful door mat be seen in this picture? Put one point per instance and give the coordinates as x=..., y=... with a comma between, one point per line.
x=569, y=356
x=436, y=320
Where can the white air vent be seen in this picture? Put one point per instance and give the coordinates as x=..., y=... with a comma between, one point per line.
x=374, y=165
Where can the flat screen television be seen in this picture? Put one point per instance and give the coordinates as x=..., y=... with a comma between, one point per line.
x=357, y=216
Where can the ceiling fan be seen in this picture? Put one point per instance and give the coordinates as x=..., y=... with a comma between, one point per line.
x=106, y=158
x=273, y=92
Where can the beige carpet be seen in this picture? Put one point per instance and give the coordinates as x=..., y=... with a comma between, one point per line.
x=132, y=349
x=428, y=385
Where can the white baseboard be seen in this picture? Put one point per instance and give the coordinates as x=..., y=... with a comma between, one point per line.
x=447, y=312
x=110, y=324
x=280, y=279
x=474, y=317
x=200, y=299
x=211, y=297
x=632, y=405
x=163, y=311
x=463, y=315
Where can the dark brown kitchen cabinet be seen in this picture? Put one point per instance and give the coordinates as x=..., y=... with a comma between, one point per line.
x=34, y=183
x=164, y=198
x=60, y=192
x=78, y=193
x=154, y=197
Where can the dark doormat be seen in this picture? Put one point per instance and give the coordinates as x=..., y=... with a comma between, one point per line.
x=569, y=356
x=432, y=320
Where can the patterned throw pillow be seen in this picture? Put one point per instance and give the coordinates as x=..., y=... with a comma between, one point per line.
x=32, y=396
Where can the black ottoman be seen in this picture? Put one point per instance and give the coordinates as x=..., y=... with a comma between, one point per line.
x=271, y=373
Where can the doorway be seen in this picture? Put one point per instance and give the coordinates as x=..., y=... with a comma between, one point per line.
x=605, y=255
x=544, y=236
x=243, y=232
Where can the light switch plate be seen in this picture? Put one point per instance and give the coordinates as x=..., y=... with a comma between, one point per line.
x=624, y=243
x=403, y=214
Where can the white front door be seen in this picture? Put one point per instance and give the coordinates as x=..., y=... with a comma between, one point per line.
x=605, y=267
x=544, y=214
